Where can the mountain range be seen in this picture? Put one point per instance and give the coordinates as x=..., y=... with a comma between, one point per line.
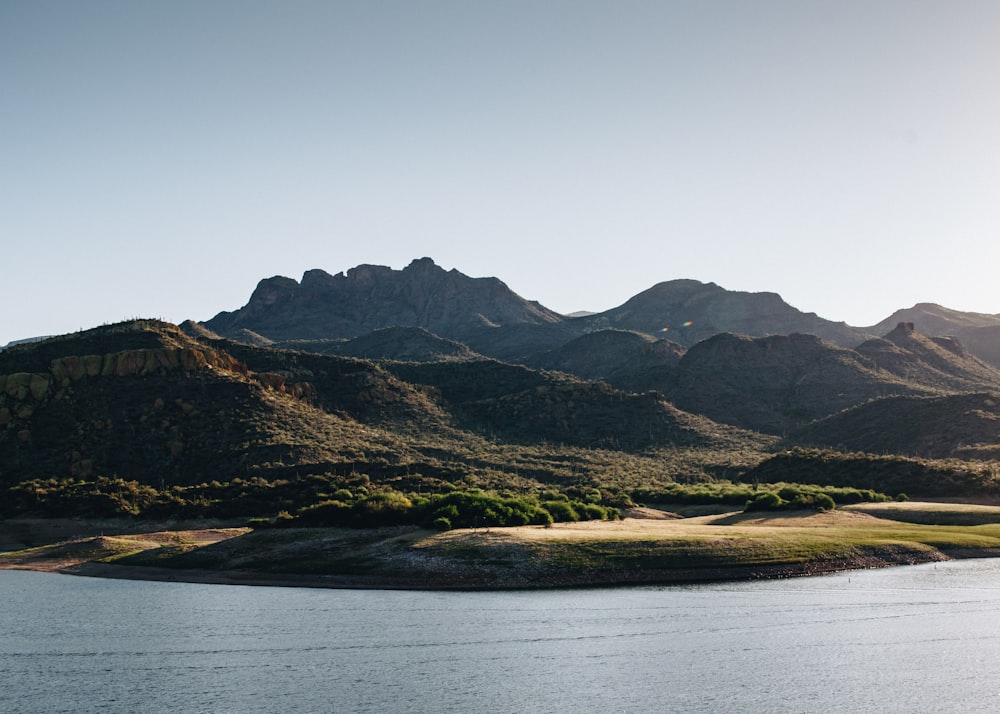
x=491, y=319
x=426, y=371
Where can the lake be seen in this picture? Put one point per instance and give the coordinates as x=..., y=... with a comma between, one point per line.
x=912, y=639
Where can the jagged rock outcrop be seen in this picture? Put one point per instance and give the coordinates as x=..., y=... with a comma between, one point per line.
x=978, y=332
x=370, y=297
x=936, y=362
x=486, y=315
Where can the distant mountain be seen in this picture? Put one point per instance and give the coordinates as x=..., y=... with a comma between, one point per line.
x=431, y=314
x=936, y=362
x=485, y=315
x=978, y=332
x=932, y=319
x=24, y=341
x=628, y=360
x=687, y=311
x=371, y=297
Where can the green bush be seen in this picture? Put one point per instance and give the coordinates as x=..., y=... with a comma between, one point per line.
x=765, y=501
x=562, y=511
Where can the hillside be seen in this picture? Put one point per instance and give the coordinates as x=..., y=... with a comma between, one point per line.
x=357, y=398
x=935, y=362
x=965, y=426
x=527, y=405
x=774, y=384
x=978, y=332
x=687, y=311
x=405, y=344
x=147, y=401
x=625, y=359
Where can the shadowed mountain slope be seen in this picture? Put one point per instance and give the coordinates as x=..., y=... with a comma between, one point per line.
x=405, y=344
x=485, y=315
x=370, y=297
x=627, y=360
x=688, y=311
x=932, y=319
x=523, y=404
x=774, y=384
x=965, y=426
x=147, y=401
x=936, y=362
x=979, y=332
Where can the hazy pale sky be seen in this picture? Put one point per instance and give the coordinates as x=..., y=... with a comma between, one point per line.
x=158, y=159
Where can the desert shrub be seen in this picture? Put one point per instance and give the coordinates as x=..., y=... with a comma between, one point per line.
x=791, y=499
x=469, y=509
x=562, y=511
x=765, y=501
x=387, y=508
x=325, y=513
x=594, y=512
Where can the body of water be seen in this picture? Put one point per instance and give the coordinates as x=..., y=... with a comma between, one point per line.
x=912, y=639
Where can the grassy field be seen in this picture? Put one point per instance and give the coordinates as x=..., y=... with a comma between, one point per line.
x=633, y=550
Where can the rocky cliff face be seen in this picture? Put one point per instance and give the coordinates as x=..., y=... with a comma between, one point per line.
x=370, y=297
x=486, y=315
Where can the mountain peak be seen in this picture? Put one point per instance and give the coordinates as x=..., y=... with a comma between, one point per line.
x=367, y=297
x=902, y=329
x=422, y=264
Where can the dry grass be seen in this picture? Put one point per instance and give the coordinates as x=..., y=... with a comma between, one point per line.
x=109, y=548
x=631, y=550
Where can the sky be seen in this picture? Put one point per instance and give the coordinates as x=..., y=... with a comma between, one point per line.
x=158, y=159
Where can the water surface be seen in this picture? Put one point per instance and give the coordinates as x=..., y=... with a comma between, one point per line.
x=912, y=639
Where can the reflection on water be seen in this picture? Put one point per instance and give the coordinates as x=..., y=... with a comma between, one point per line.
x=919, y=638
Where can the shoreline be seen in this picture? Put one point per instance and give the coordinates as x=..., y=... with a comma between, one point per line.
x=608, y=579
x=717, y=548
